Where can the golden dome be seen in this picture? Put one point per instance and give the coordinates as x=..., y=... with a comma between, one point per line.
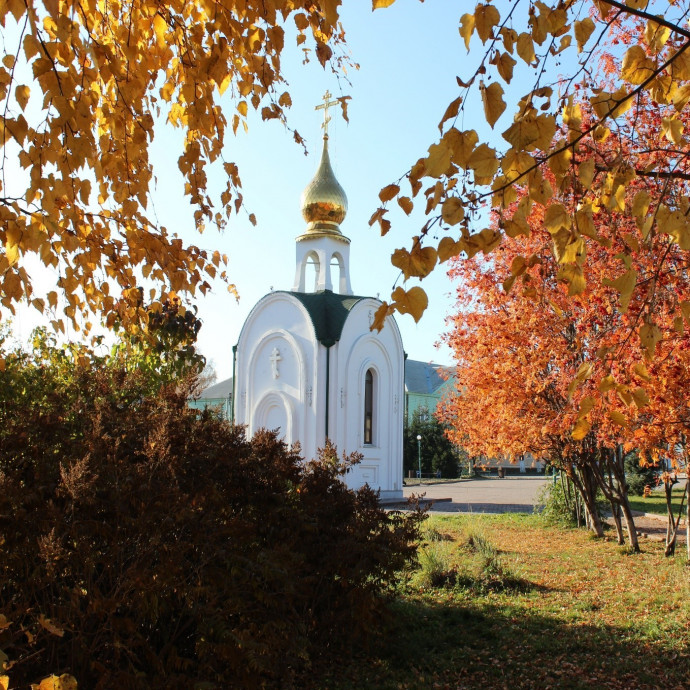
x=324, y=203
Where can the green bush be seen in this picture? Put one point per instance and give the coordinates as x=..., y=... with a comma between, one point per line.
x=636, y=476
x=555, y=505
x=148, y=545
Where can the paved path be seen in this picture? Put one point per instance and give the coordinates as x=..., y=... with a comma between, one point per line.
x=485, y=495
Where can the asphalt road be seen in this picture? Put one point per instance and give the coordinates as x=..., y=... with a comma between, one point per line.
x=481, y=495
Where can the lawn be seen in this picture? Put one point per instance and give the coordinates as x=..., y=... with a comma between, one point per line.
x=507, y=602
x=656, y=503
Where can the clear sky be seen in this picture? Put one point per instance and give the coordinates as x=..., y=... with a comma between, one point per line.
x=409, y=55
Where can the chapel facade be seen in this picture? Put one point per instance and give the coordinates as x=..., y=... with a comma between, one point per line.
x=307, y=362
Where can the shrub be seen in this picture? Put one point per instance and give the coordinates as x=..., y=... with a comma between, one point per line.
x=148, y=545
x=555, y=505
x=637, y=476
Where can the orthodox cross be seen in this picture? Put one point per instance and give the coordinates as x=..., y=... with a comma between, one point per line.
x=275, y=358
x=325, y=106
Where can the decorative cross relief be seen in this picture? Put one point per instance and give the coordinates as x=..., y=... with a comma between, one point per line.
x=342, y=397
x=275, y=358
x=309, y=394
x=371, y=317
x=396, y=400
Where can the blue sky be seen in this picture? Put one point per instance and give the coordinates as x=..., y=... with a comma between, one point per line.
x=409, y=56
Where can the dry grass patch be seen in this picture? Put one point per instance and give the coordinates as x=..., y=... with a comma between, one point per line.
x=588, y=614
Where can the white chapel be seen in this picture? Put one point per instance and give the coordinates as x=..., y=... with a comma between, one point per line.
x=307, y=362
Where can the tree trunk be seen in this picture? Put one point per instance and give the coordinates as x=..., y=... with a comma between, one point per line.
x=630, y=526
x=687, y=518
x=616, y=514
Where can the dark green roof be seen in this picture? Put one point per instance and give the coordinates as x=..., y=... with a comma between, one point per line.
x=328, y=313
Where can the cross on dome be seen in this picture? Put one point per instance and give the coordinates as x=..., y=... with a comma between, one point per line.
x=327, y=103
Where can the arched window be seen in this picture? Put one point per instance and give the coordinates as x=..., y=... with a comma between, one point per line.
x=369, y=408
x=312, y=268
x=338, y=274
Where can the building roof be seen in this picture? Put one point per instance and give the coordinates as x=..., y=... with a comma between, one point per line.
x=328, y=312
x=425, y=377
x=222, y=389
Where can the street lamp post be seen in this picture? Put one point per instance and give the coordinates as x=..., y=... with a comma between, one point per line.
x=419, y=455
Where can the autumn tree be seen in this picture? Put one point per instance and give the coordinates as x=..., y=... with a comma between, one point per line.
x=604, y=57
x=84, y=87
x=572, y=358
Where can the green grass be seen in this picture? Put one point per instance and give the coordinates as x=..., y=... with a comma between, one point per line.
x=656, y=503
x=522, y=605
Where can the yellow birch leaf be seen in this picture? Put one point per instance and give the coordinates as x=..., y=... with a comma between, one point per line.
x=681, y=97
x=560, y=159
x=378, y=216
x=451, y=111
x=494, y=105
x=572, y=275
x=641, y=370
x=413, y=301
x=583, y=30
x=516, y=226
x=467, y=29
x=380, y=315
x=461, y=145
x=650, y=335
x=586, y=406
x=581, y=429
x=656, y=35
x=509, y=37
x=160, y=28
x=645, y=226
x=448, y=248
x=685, y=310
x=640, y=204
x=438, y=160
x=21, y=93
x=508, y=283
x=406, y=204
x=585, y=222
x=556, y=217
x=678, y=325
x=483, y=161
x=523, y=134
x=12, y=253
x=584, y=371
x=388, y=193
x=546, y=125
x=607, y=383
x=603, y=7
x=618, y=418
x=525, y=48
x=417, y=263
x=625, y=285
x=637, y=67
x=640, y=397
x=680, y=65
x=485, y=18
x=624, y=394
x=379, y=4
x=452, y=211
x=672, y=129
x=504, y=65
